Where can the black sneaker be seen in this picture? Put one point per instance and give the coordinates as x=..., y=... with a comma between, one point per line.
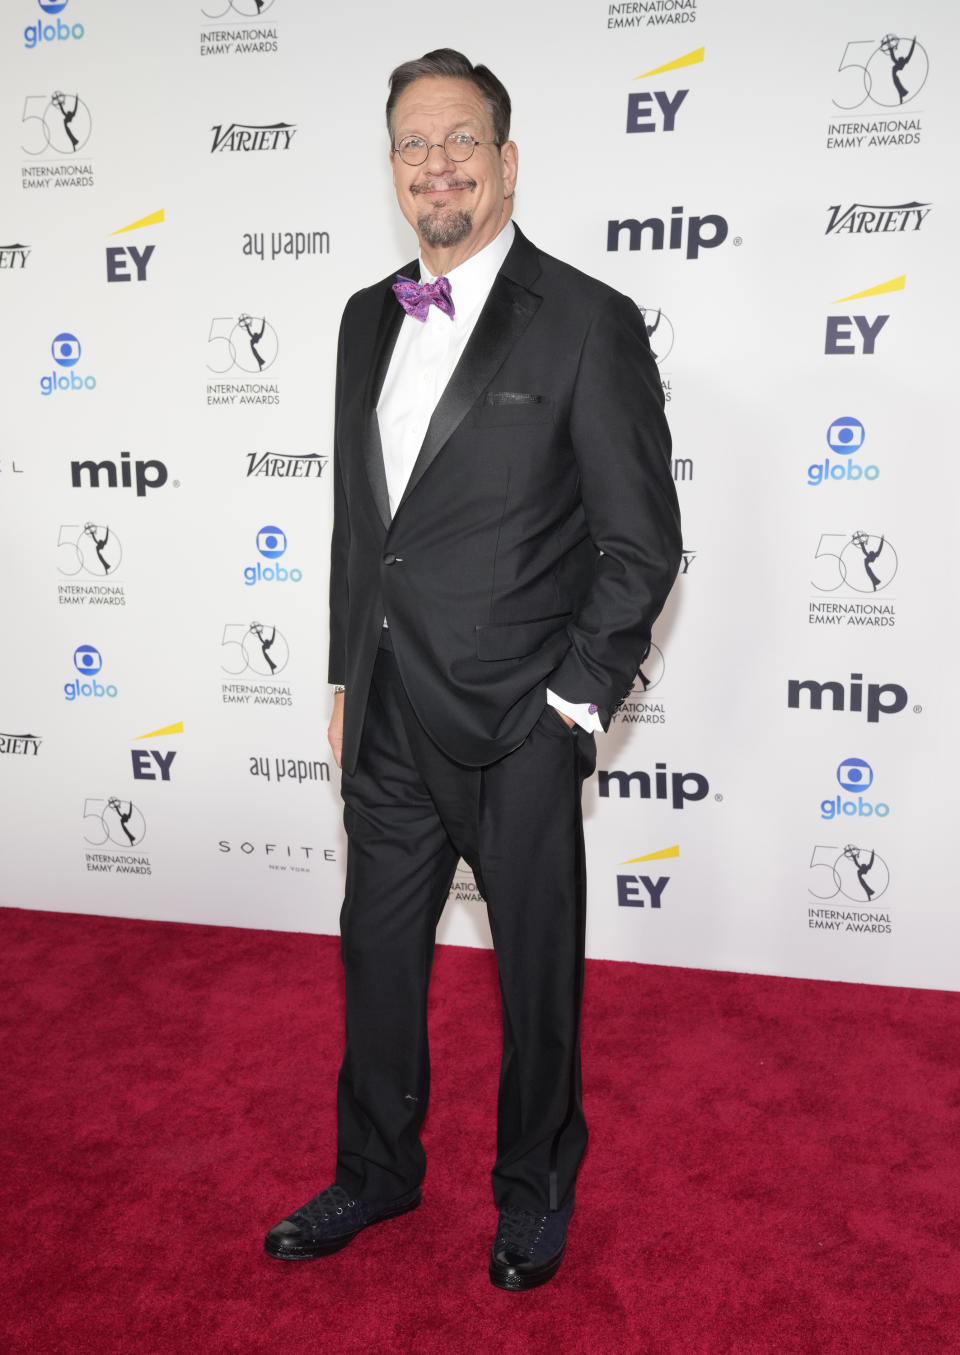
x=528, y=1247
x=328, y=1222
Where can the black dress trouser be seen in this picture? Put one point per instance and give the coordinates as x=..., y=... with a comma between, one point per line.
x=410, y=812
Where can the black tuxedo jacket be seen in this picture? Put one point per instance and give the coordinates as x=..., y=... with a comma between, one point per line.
x=538, y=535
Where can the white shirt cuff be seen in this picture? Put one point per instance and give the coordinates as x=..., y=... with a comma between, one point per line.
x=585, y=715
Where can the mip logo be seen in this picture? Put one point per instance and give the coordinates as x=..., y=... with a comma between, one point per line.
x=66, y=352
x=882, y=698
x=90, y=549
x=660, y=332
x=248, y=342
x=893, y=72
x=854, y=776
x=254, y=648
x=88, y=661
x=857, y=873
x=245, y=9
x=58, y=32
x=656, y=110
x=679, y=788
x=120, y=257
x=271, y=543
x=860, y=561
x=686, y=235
x=142, y=474
x=59, y=124
x=857, y=334
x=639, y=891
x=845, y=436
x=113, y=820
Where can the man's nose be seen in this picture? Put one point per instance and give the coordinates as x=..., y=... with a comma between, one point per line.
x=438, y=161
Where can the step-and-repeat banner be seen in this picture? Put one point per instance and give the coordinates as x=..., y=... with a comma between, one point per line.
x=190, y=191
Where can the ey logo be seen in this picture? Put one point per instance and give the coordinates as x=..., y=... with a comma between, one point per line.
x=120, y=257
x=656, y=110
x=148, y=762
x=636, y=891
x=858, y=333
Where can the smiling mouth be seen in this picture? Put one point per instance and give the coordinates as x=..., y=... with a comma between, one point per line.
x=455, y=186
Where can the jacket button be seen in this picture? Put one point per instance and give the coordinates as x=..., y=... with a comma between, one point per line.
x=390, y=559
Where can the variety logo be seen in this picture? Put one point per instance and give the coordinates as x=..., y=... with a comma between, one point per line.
x=845, y=436
x=854, y=563
x=141, y=475
x=635, y=708
x=680, y=788
x=250, y=136
x=37, y=33
x=289, y=769
x=641, y=891
x=879, y=74
x=88, y=661
x=650, y=13
x=121, y=257
x=854, y=776
x=288, y=244
x=882, y=698
x=272, y=544
x=149, y=764
x=862, y=218
x=286, y=465
x=24, y=745
x=656, y=110
x=14, y=256
x=686, y=235
x=66, y=352
x=856, y=334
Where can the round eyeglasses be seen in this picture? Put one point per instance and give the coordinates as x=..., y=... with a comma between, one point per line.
x=458, y=146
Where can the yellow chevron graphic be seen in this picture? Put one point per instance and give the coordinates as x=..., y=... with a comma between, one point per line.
x=167, y=729
x=661, y=855
x=153, y=219
x=691, y=59
x=894, y=285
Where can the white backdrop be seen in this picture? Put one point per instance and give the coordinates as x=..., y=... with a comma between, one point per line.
x=812, y=443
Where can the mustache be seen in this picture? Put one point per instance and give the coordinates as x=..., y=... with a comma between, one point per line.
x=445, y=183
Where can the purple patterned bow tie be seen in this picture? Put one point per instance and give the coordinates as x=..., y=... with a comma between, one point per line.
x=416, y=298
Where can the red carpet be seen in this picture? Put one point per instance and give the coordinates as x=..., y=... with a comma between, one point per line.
x=774, y=1164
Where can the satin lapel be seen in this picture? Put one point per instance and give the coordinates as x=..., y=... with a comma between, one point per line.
x=507, y=313
x=391, y=318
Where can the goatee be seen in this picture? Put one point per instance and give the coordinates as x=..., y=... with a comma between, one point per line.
x=440, y=230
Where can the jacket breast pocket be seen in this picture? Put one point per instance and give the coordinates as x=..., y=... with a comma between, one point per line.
x=501, y=409
x=516, y=639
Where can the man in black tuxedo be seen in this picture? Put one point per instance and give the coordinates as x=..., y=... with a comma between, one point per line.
x=505, y=534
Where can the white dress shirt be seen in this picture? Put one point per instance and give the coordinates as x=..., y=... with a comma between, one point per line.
x=422, y=363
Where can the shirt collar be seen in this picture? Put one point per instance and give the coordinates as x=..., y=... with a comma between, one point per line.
x=470, y=281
